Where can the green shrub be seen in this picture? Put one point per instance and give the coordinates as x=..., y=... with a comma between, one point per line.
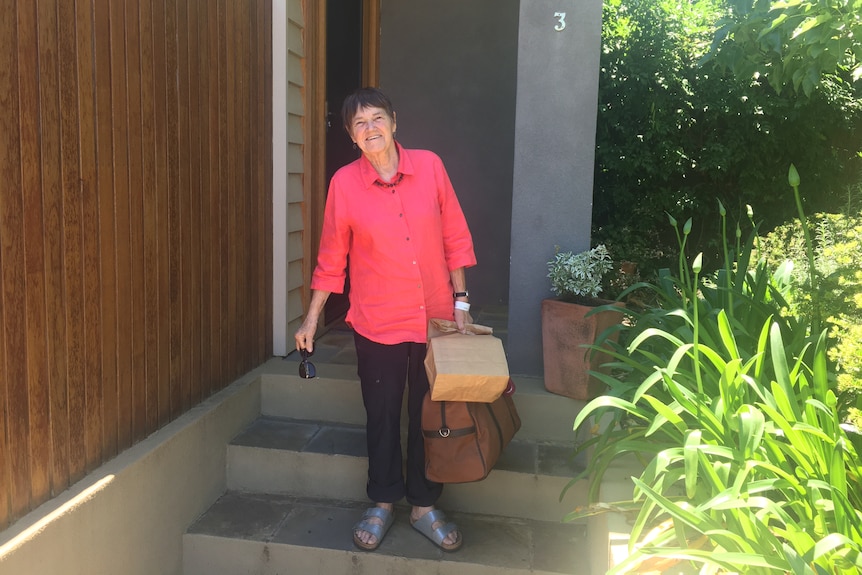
x=725, y=396
x=837, y=240
x=580, y=275
x=674, y=134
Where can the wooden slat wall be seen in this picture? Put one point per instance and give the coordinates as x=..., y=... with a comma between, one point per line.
x=135, y=224
x=299, y=96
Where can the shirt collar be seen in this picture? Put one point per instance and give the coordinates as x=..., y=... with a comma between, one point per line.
x=370, y=175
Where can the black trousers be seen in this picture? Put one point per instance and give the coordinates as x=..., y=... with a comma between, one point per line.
x=383, y=372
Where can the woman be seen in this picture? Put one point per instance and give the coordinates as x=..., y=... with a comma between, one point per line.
x=394, y=212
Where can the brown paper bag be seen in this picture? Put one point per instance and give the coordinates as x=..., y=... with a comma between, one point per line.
x=465, y=367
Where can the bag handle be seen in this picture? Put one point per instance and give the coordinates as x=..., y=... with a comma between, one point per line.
x=444, y=430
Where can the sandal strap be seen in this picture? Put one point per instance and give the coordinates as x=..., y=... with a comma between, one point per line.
x=441, y=532
x=376, y=529
x=379, y=512
x=425, y=525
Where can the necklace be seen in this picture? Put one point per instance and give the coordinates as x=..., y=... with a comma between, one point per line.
x=391, y=184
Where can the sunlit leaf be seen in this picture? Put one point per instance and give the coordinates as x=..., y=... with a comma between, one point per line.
x=692, y=441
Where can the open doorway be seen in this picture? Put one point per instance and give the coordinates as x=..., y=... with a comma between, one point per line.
x=346, y=57
x=343, y=76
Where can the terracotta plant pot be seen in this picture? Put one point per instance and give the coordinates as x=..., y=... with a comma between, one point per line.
x=564, y=330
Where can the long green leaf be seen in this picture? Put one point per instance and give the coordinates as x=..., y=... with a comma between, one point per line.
x=604, y=401
x=838, y=481
x=695, y=519
x=727, y=334
x=760, y=355
x=798, y=566
x=664, y=414
x=830, y=544
x=751, y=429
x=653, y=332
x=783, y=391
x=692, y=441
x=821, y=372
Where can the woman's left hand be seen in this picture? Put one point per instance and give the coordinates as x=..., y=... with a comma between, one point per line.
x=462, y=318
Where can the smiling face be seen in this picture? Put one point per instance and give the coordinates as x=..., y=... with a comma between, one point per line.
x=373, y=130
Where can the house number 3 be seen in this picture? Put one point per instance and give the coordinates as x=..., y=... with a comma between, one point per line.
x=561, y=21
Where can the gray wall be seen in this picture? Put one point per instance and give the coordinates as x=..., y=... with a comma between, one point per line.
x=509, y=103
x=449, y=67
x=555, y=129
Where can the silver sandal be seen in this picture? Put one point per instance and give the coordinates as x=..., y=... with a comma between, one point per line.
x=376, y=529
x=425, y=526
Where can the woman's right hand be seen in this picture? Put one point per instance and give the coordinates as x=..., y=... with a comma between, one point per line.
x=304, y=336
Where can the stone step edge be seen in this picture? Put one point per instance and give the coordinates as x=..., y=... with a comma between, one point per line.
x=310, y=464
x=543, y=415
x=325, y=528
x=515, y=443
x=335, y=372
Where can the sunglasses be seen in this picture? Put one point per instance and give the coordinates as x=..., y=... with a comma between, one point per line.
x=306, y=368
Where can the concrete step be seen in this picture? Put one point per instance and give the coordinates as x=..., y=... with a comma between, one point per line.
x=329, y=460
x=335, y=396
x=275, y=535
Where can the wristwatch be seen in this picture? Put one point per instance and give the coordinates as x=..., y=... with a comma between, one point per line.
x=461, y=294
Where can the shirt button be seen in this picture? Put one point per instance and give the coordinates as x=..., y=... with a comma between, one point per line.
x=421, y=307
x=414, y=262
x=400, y=215
x=408, y=238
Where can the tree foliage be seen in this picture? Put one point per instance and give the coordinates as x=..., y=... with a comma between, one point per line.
x=675, y=134
x=791, y=43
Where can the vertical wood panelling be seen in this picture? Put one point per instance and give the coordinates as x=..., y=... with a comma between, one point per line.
x=90, y=230
x=162, y=314
x=34, y=255
x=149, y=261
x=203, y=205
x=184, y=203
x=173, y=214
x=214, y=192
x=242, y=231
x=107, y=230
x=229, y=182
x=224, y=185
x=122, y=238
x=52, y=201
x=265, y=146
x=194, y=224
x=135, y=224
x=70, y=153
x=12, y=275
x=9, y=161
x=137, y=392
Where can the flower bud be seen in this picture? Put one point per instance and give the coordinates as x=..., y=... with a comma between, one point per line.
x=793, y=176
x=697, y=265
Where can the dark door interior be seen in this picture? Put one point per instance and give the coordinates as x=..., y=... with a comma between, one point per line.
x=343, y=76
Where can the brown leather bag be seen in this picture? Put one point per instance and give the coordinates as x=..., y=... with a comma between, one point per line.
x=463, y=440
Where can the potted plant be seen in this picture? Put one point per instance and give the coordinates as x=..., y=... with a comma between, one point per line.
x=568, y=326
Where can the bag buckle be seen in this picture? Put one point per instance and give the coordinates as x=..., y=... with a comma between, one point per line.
x=443, y=431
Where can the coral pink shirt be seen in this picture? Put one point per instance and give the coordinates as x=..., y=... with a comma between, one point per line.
x=403, y=239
